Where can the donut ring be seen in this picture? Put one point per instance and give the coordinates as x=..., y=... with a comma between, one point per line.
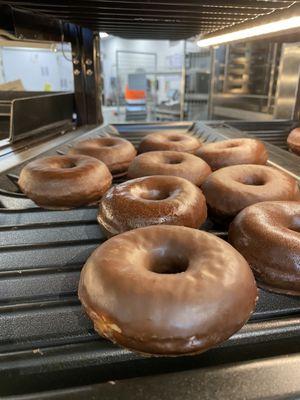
x=293, y=141
x=151, y=200
x=116, y=153
x=172, y=163
x=167, y=290
x=268, y=236
x=165, y=140
x=229, y=190
x=63, y=182
x=233, y=152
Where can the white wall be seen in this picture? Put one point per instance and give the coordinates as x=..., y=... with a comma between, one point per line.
x=39, y=69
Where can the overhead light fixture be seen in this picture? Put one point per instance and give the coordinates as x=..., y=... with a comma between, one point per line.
x=103, y=35
x=272, y=27
x=22, y=44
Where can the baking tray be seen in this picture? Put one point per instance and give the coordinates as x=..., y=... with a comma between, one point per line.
x=47, y=342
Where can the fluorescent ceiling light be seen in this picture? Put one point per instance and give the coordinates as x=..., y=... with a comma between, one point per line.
x=281, y=25
x=29, y=45
x=103, y=35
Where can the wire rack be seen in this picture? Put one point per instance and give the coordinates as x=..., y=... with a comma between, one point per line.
x=155, y=19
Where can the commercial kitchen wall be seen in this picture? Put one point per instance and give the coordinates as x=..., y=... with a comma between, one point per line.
x=169, y=57
x=46, y=69
x=38, y=69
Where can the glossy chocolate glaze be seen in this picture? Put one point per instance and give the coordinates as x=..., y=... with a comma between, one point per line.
x=166, y=140
x=151, y=200
x=116, y=153
x=229, y=190
x=167, y=290
x=233, y=152
x=63, y=182
x=268, y=236
x=293, y=141
x=172, y=163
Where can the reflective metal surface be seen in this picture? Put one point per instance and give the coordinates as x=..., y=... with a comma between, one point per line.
x=30, y=113
x=288, y=89
x=155, y=19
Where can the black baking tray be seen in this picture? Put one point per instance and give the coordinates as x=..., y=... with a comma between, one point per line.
x=47, y=342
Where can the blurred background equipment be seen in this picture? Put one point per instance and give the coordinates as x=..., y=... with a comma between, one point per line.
x=136, y=97
x=179, y=80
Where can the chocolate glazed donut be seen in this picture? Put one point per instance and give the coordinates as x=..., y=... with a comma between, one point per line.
x=116, y=153
x=151, y=200
x=166, y=140
x=293, y=141
x=229, y=190
x=172, y=163
x=233, y=152
x=268, y=236
x=167, y=290
x=63, y=182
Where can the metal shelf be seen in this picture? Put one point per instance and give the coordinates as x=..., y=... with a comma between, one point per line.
x=154, y=19
x=196, y=97
x=192, y=70
x=237, y=113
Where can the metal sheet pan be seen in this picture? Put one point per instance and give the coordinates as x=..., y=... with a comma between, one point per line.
x=46, y=341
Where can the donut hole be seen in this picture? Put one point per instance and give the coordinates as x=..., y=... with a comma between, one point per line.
x=175, y=138
x=168, y=264
x=68, y=165
x=108, y=143
x=295, y=229
x=295, y=225
x=231, y=145
x=253, y=181
x=173, y=162
x=154, y=194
